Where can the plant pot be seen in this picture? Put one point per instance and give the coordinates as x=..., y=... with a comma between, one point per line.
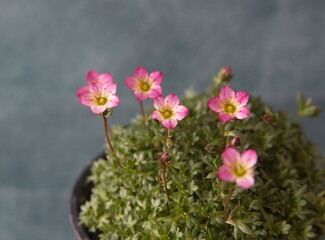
x=80, y=194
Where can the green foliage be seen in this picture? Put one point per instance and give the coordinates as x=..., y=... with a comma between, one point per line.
x=286, y=202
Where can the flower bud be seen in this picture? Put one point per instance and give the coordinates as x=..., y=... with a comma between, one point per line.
x=235, y=142
x=267, y=117
x=164, y=158
x=225, y=74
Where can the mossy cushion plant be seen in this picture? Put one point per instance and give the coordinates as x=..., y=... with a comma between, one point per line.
x=221, y=167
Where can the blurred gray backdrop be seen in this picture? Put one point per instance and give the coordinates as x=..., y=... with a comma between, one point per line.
x=275, y=48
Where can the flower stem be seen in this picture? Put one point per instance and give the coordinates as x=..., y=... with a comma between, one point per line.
x=225, y=211
x=143, y=114
x=106, y=127
x=163, y=176
x=223, y=130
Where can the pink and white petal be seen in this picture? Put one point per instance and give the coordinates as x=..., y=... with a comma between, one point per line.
x=242, y=113
x=246, y=182
x=181, y=112
x=157, y=77
x=224, y=117
x=96, y=88
x=98, y=109
x=83, y=90
x=132, y=83
x=141, y=72
x=156, y=91
x=249, y=158
x=215, y=104
x=242, y=98
x=172, y=100
x=159, y=103
x=92, y=77
x=230, y=156
x=113, y=101
x=140, y=96
x=169, y=123
x=226, y=93
x=226, y=174
x=110, y=87
x=105, y=78
x=87, y=99
x=156, y=115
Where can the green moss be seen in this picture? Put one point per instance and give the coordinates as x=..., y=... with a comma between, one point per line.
x=286, y=202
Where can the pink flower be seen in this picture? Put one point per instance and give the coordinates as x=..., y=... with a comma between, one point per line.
x=238, y=168
x=94, y=77
x=230, y=104
x=99, y=96
x=168, y=111
x=145, y=85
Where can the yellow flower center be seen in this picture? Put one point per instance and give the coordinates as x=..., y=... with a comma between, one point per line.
x=167, y=114
x=101, y=101
x=239, y=170
x=144, y=86
x=229, y=108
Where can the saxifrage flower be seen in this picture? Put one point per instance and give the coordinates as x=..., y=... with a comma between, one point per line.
x=100, y=97
x=168, y=111
x=230, y=104
x=238, y=167
x=94, y=77
x=145, y=85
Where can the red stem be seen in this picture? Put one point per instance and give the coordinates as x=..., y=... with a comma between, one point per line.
x=109, y=141
x=225, y=211
x=163, y=176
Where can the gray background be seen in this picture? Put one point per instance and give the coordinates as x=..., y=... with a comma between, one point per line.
x=275, y=48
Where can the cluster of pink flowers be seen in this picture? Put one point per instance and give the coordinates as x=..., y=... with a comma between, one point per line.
x=100, y=95
x=100, y=92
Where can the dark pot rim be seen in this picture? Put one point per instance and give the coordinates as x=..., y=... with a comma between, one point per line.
x=80, y=194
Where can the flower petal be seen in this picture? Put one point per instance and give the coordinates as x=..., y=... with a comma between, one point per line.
x=249, y=158
x=132, y=83
x=169, y=123
x=96, y=88
x=246, y=182
x=105, y=78
x=157, y=77
x=156, y=115
x=83, y=90
x=226, y=174
x=113, y=101
x=224, y=117
x=226, y=93
x=172, y=100
x=141, y=72
x=181, y=112
x=87, y=99
x=156, y=91
x=98, y=109
x=110, y=87
x=215, y=104
x=243, y=113
x=159, y=103
x=140, y=96
x=92, y=77
x=242, y=98
x=230, y=156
